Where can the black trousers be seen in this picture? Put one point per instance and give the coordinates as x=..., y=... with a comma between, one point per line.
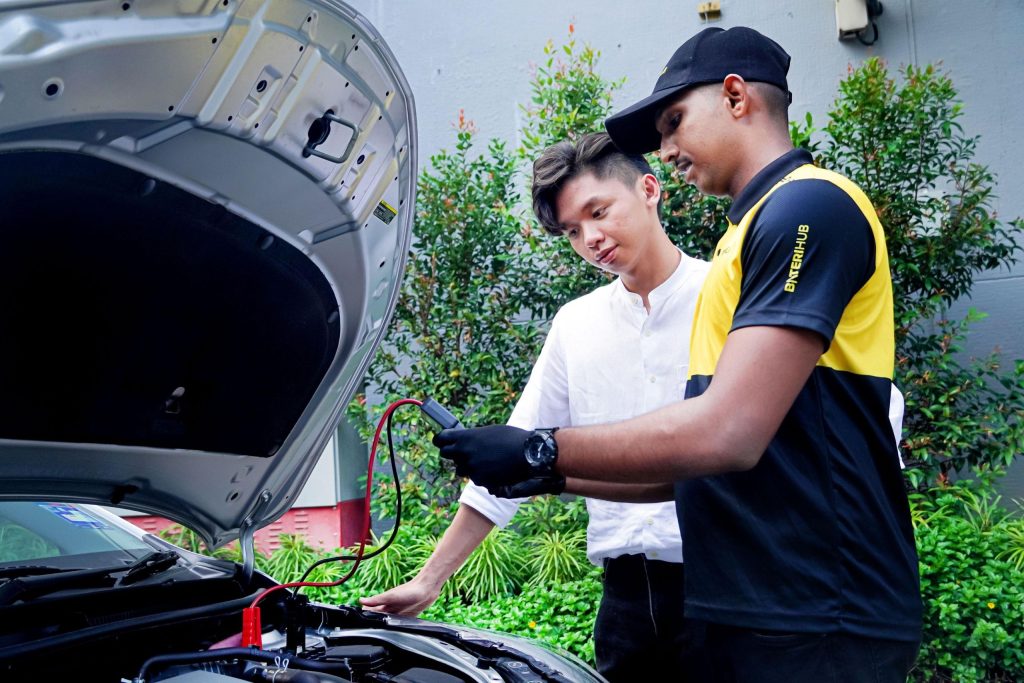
x=640, y=633
x=737, y=655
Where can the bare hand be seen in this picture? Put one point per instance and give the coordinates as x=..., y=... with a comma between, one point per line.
x=408, y=599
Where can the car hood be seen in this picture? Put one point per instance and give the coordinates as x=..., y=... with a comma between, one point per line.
x=206, y=210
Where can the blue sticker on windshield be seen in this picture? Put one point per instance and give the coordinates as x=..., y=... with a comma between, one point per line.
x=73, y=515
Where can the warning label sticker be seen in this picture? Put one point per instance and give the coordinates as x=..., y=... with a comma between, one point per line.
x=385, y=212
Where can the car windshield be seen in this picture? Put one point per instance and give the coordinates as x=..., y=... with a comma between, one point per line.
x=62, y=535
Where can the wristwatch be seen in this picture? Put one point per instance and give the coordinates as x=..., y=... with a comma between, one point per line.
x=541, y=451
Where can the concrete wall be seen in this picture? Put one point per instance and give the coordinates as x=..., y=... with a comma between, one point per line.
x=476, y=56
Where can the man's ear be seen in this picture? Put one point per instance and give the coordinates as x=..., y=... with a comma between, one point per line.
x=651, y=188
x=736, y=95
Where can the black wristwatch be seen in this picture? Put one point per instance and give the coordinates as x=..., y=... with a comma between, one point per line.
x=541, y=451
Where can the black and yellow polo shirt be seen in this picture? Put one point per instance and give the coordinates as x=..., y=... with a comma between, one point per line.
x=817, y=537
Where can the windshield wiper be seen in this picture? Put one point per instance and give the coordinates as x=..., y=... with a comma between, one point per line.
x=28, y=587
x=33, y=570
x=153, y=563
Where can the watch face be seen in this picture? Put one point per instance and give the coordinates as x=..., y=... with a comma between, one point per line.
x=540, y=449
x=533, y=446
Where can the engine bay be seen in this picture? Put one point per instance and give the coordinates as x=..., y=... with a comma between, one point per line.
x=104, y=637
x=350, y=656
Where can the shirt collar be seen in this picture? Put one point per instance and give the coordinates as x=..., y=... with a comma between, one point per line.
x=662, y=291
x=765, y=180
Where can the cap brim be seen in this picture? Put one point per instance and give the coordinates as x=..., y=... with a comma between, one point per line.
x=633, y=129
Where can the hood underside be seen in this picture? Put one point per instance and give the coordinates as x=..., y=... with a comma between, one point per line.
x=206, y=210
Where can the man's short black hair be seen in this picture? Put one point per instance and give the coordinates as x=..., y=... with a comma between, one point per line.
x=592, y=153
x=776, y=100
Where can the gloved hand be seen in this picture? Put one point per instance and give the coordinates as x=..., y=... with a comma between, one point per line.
x=553, y=484
x=491, y=456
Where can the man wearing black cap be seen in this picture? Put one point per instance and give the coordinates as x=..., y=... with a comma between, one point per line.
x=788, y=484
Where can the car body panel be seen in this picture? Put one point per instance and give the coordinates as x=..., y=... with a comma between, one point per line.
x=192, y=357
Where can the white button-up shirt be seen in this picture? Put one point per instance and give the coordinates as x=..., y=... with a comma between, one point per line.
x=606, y=359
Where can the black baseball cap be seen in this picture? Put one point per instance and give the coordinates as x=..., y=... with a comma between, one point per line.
x=707, y=57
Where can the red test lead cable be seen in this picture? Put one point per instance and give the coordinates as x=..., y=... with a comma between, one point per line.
x=252, y=635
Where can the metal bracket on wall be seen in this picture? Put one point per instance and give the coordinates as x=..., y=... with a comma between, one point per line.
x=710, y=10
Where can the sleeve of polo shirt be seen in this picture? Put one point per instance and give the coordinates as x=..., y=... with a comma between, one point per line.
x=809, y=250
x=544, y=402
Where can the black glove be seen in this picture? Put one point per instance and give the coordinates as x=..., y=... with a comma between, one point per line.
x=491, y=456
x=553, y=484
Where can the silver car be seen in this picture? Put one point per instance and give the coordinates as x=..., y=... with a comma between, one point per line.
x=206, y=209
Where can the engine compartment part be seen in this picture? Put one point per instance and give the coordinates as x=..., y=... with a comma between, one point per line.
x=186, y=295
x=365, y=655
x=196, y=643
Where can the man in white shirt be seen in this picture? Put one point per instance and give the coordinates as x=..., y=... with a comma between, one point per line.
x=617, y=352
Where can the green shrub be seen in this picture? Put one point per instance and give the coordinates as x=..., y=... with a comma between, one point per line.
x=901, y=141
x=550, y=513
x=556, y=557
x=560, y=614
x=495, y=568
x=505, y=563
x=568, y=98
x=396, y=564
x=290, y=560
x=973, y=591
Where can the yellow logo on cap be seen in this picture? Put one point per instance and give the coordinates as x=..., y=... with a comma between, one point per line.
x=663, y=71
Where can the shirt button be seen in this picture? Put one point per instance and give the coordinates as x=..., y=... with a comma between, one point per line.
x=652, y=555
x=653, y=379
x=650, y=521
x=647, y=333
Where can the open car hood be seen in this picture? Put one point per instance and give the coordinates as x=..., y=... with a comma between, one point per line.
x=206, y=206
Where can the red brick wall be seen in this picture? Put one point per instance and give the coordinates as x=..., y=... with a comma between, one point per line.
x=326, y=528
